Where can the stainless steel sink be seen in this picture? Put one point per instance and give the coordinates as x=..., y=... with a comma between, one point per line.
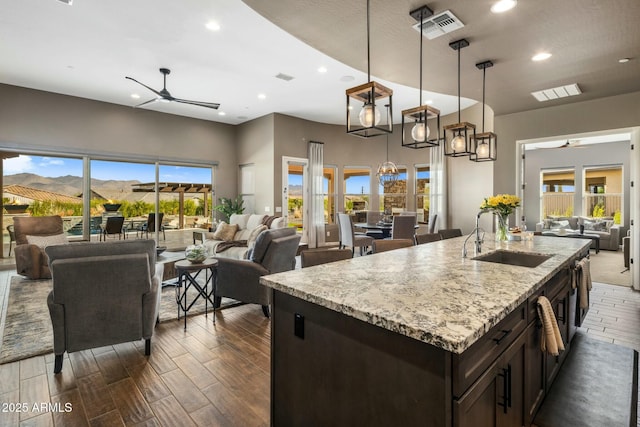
x=522, y=259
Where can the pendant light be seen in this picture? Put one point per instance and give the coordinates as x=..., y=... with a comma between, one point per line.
x=415, y=129
x=484, y=146
x=369, y=120
x=457, y=136
x=387, y=171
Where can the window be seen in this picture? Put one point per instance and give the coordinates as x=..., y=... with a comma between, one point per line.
x=329, y=191
x=393, y=197
x=422, y=192
x=603, y=193
x=557, y=192
x=356, y=188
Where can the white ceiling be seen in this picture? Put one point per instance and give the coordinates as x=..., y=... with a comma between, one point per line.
x=87, y=49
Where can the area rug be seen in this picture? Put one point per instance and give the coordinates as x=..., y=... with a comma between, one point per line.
x=27, y=331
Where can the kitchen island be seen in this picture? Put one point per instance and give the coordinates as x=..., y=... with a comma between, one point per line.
x=418, y=336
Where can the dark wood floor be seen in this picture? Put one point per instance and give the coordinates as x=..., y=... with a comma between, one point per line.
x=208, y=376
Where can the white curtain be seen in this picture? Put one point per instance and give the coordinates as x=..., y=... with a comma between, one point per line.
x=316, y=197
x=438, y=186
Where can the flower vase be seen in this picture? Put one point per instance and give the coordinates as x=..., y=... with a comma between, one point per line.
x=502, y=222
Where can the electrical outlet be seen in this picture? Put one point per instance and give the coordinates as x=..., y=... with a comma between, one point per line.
x=328, y=234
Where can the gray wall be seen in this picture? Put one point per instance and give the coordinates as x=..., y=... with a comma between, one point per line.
x=610, y=113
x=36, y=120
x=616, y=153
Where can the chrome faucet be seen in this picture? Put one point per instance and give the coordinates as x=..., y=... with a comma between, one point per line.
x=479, y=239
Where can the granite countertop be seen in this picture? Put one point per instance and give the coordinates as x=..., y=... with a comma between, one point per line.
x=429, y=292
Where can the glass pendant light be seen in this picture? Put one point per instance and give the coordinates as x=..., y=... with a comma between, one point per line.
x=387, y=171
x=459, y=135
x=484, y=146
x=368, y=121
x=416, y=118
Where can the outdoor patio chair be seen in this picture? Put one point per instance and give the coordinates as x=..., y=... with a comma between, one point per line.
x=113, y=226
x=150, y=226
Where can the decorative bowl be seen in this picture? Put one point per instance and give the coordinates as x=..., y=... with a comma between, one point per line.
x=195, y=253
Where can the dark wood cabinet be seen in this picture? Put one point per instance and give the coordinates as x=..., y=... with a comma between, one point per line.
x=497, y=398
x=534, y=371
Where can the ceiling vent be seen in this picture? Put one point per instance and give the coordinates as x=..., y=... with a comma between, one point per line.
x=557, y=92
x=439, y=25
x=285, y=77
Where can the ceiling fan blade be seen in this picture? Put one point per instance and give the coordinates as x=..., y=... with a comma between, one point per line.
x=151, y=101
x=199, y=104
x=142, y=84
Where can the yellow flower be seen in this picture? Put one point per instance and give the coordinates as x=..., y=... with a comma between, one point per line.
x=503, y=204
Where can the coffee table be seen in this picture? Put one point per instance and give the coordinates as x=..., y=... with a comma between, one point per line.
x=595, y=239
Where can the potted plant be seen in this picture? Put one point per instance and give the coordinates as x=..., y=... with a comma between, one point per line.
x=230, y=206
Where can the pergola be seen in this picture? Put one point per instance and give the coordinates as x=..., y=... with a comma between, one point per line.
x=181, y=189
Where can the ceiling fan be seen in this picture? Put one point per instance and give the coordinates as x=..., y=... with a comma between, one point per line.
x=165, y=96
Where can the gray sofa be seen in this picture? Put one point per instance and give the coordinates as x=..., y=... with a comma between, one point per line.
x=609, y=232
x=103, y=294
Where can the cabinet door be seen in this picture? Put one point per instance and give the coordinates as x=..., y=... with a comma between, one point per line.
x=497, y=397
x=534, y=372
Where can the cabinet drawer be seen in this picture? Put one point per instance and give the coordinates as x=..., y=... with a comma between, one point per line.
x=558, y=283
x=468, y=366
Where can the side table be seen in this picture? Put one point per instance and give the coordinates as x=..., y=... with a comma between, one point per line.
x=188, y=273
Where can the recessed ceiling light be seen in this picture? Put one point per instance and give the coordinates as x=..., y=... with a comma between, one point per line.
x=623, y=60
x=541, y=56
x=322, y=69
x=262, y=96
x=503, y=6
x=213, y=26
x=222, y=113
x=135, y=96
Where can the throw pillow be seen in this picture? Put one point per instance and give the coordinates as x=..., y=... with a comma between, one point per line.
x=251, y=240
x=268, y=220
x=225, y=232
x=44, y=241
x=560, y=224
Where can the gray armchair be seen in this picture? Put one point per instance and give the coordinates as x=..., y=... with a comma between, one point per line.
x=103, y=294
x=30, y=258
x=274, y=252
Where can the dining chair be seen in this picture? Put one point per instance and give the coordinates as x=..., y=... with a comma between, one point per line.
x=374, y=217
x=311, y=257
x=427, y=238
x=349, y=238
x=403, y=227
x=385, y=245
x=448, y=233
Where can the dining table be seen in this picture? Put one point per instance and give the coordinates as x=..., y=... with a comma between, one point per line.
x=384, y=227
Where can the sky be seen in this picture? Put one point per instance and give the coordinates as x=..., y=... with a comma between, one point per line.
x=53, y=167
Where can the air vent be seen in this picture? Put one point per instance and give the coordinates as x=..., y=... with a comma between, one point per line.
x=284, y=77
x=557, y=92
x=439, y=25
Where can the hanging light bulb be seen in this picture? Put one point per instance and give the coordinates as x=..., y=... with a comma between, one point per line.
x=458, y=144
x=483, y=150
x=369, y=115
x=387, y=171
x=418, y=137
x=420, y=132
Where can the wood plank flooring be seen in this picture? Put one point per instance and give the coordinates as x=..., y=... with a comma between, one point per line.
x=205, y=376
